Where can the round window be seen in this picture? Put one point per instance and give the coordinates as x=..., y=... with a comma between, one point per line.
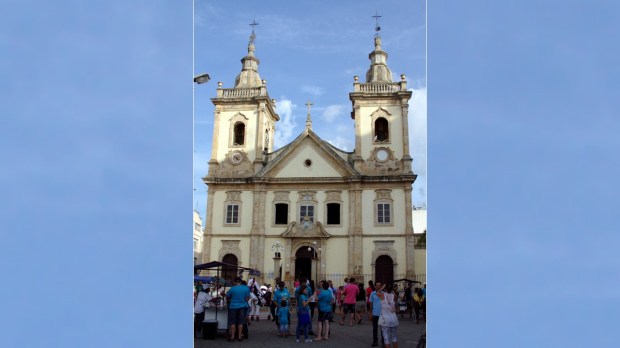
x=308, y=163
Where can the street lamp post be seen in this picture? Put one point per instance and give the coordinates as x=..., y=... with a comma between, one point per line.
x=276, y=260
x=276, y=247
x=315, y=257
x=202, y=78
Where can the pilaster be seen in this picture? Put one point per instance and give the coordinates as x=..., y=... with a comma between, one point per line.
x=208, y=229
x=257, y=230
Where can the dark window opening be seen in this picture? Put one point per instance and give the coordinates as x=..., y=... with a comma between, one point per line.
x=229, y=270
x=281, y=213
x=381, y=129
x=239, y=134
x=333, y=213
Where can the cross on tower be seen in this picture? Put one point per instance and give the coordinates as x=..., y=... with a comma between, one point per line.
x=309, y=104
x=377, y=27
x=253, y=24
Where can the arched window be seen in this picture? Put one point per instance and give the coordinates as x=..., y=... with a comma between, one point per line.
x=239, y=133
x=382, y=132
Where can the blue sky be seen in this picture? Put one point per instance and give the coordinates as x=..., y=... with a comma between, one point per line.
x=97, y=181
x=313, y=57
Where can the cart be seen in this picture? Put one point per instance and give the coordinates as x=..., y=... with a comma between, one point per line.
x=216, y=314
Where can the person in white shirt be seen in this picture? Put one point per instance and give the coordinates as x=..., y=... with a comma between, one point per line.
x=199, y=310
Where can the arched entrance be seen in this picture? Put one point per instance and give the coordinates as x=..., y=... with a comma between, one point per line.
x=303, y=262
x=229, y=272
x=384, y=269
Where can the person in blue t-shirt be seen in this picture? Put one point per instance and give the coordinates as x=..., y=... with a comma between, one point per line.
x=375, y=312
x=238, y=297
x=309, y=293
x=280, y=294
x=283, y=316
x=325, y=311
x=303, y=313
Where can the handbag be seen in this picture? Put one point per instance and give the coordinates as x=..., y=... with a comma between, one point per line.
x=402, y=306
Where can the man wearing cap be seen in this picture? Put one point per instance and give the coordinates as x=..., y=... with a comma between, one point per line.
x=238, y=297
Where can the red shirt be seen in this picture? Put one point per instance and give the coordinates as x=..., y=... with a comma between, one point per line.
x=369, y=291
x=350, y=293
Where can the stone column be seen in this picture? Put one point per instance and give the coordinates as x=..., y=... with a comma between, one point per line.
x=257, y=229
x=357, y=154
x=408, y=208
x=405, y=119
x=276, y=267
x=410, y=256
x=208, y=230
x=258, y=142
x=410, y=240
x=289, y=259
x=214, y=145
x=355, y=229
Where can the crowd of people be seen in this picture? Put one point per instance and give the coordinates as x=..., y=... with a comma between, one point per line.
x=380, y=303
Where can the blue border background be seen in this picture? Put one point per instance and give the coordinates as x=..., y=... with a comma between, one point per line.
x=96, y=180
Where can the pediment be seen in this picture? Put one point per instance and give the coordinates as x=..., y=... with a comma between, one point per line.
x=308, y=156
x=296, y=230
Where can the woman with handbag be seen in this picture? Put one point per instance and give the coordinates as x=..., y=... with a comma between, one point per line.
x=388, y=321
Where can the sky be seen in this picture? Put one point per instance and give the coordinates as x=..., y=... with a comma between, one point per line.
x=97, y=147
x=306, y=54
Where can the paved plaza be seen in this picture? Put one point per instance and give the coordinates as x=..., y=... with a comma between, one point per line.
x=264, y=334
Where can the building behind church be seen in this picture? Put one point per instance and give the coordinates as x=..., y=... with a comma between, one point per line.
x=309, y=208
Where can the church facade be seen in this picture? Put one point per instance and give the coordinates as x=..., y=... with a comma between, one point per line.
x=309, y=208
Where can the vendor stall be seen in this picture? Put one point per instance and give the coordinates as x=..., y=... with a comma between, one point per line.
x=216, y=311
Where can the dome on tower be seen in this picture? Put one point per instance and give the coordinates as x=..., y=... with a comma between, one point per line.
x=249, y=77
x=378, y=71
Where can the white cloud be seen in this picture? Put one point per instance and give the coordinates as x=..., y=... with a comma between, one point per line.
x=285, y=128
x=342, y=143
x=332, y=112
x=314, y=90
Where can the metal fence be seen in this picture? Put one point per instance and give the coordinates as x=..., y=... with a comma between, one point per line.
x=336, y=278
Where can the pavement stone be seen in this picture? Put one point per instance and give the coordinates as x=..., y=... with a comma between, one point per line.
x=264, y=334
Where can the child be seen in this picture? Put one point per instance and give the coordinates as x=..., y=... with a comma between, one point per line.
x=283, y=319
x=340, y=297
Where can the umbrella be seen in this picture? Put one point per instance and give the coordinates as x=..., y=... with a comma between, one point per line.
x=201, y=278
x=407, y=281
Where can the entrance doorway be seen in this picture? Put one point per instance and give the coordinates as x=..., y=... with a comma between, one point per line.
x=384, y=269
x=229, y=271
x=303, y=263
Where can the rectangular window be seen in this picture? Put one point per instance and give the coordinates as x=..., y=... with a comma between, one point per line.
x=195, y=243
x=281, y=213
x=232, y=214
x=383, y=213
x=197, y=226
x=333, y=213
x=306, y=210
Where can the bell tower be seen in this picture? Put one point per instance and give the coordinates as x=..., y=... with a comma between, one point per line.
x=380, y=111
x=244, y=121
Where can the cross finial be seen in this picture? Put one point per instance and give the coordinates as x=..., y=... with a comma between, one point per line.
x=377, y=27
x=252, y=36
x=308, y=119
x=309, y=104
